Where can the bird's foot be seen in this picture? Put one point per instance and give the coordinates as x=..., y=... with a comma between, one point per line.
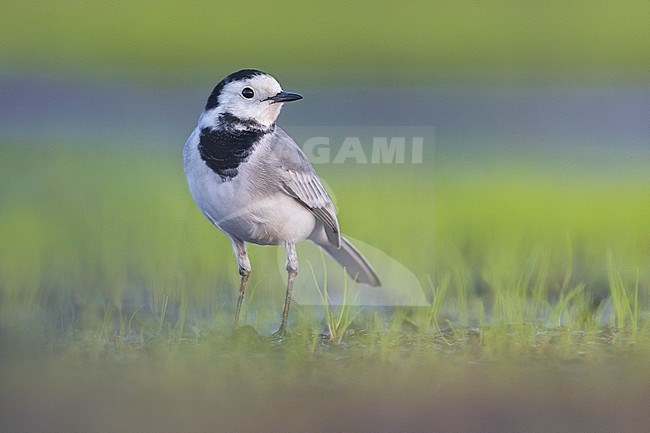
x=280, y=335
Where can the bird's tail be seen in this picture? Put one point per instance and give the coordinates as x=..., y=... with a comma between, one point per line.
x=353, y=262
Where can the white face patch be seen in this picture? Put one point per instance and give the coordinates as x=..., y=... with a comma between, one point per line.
x=247, y=100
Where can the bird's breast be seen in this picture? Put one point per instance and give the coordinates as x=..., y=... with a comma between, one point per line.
x=241, y=207
x=223, y=151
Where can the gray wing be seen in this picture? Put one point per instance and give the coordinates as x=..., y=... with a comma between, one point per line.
x=300, y=181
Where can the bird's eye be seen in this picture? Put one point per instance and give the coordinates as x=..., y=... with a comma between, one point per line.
x=247, y=93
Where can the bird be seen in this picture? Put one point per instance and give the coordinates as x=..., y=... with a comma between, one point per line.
x=254, y=183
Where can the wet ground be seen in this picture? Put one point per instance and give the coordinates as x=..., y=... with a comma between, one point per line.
x=244, y=383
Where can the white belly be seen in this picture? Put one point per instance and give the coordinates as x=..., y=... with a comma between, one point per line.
x=273, y=220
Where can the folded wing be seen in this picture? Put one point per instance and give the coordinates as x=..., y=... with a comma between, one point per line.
x=305, y=187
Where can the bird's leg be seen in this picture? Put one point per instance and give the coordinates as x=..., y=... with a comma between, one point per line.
x=240, y=300
x=244, y=270
x=292, y=271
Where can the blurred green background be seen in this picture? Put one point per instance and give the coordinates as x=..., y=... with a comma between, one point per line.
x=385, y=42
x=527, y=225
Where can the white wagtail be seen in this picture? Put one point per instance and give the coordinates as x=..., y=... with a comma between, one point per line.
x=254, y=183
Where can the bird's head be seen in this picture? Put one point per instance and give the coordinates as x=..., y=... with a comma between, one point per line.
x=251, y=96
